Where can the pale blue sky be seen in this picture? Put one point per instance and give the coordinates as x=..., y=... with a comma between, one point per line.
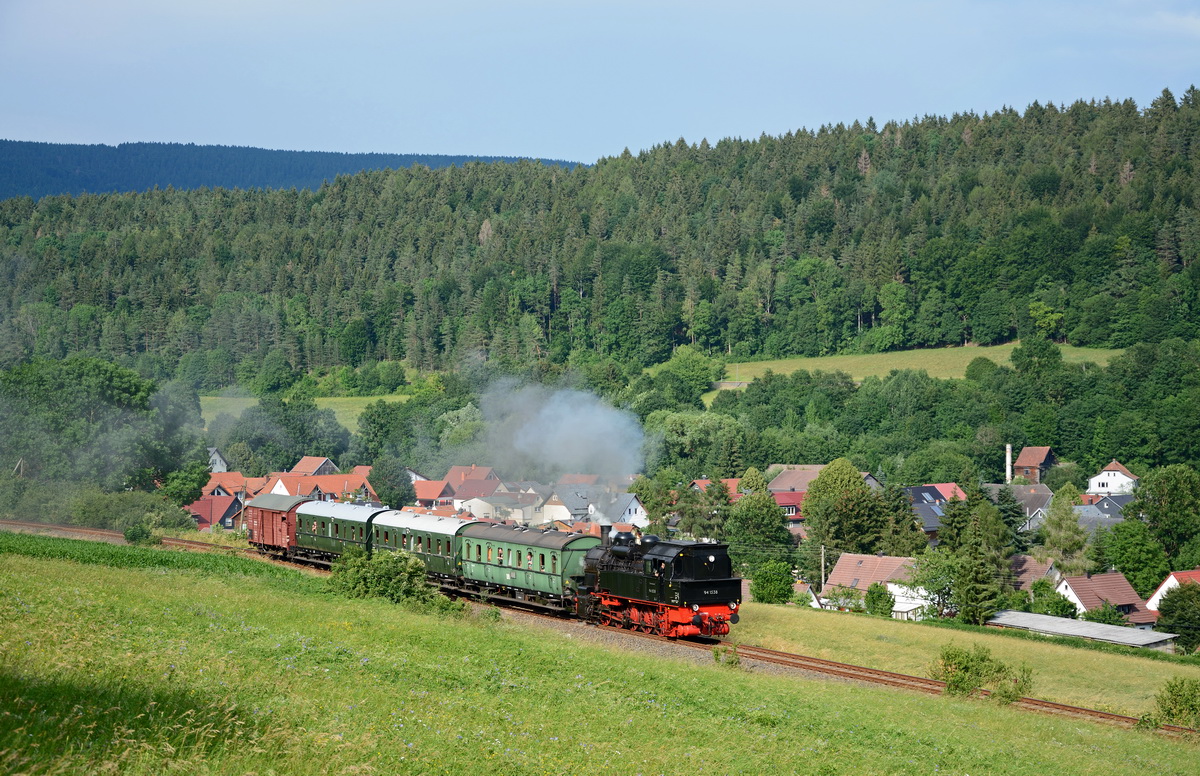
x=571, y=80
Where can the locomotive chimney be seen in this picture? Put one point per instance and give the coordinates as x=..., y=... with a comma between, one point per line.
x=1008, y=464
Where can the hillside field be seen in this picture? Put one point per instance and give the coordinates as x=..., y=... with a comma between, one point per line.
x=345, y=408
x=938, y=362
x=177, y=667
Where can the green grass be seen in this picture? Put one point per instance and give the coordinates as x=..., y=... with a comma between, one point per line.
x=152, y=670
x=938, y=362
x=345, y=408
x=1082, y=677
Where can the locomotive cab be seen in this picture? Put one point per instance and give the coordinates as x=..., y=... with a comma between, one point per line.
x=675, y=588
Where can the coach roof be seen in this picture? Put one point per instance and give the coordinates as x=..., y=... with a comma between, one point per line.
x=555, y=540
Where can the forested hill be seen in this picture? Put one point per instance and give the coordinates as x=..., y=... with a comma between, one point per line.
x=1079, y=223
x=44, y=169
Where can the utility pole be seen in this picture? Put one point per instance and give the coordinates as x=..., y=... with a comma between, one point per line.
x=822, y=566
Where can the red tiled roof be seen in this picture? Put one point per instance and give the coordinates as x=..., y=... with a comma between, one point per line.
x=234, y=482
x=790, y=498
x=859, y=571
x=364, y=471
x=1032, y=456
x=797, y=477
x=1115, y=466
x=476, y=489
x=430, y=490
x=209, y=509
x=460, y=474
x=1026, y=570
x=340, y=484
x=309, y=464
x=1093, y=591
x=950, y=491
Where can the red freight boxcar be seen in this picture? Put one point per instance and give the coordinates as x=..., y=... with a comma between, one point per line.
x=272, y=522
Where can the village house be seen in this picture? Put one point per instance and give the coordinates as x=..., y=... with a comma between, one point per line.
x=1033, y=463
x=1034, y=500
x=322, y=487
x=857, y=572
x=212, y=510
x=1113, y=479
x=434, y=493
x=313, y=465
x=216, y=461
x=469, y=490
x=457, y=475
x=1173, y=580
x=1024, y=570
x=1091, y=591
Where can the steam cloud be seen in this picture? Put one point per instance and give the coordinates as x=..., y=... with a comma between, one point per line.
x=544, y=433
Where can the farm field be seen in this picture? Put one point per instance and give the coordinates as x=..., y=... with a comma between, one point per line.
x=135, y=670
x=1080, y=677
x=938, y=362
x=345, y=408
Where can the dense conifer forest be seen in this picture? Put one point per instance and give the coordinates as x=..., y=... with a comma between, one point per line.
x=46, y=169
x=1078, y=223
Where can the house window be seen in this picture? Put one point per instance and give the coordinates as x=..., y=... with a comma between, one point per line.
x=789, y=511
x=855, y=582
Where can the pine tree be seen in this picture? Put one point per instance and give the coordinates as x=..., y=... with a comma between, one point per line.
x=1063, y=539
x=976, y=591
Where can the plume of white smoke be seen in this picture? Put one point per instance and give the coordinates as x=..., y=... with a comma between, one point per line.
x=541, y=433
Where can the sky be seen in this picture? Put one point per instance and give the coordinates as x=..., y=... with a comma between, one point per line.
x=563, y=79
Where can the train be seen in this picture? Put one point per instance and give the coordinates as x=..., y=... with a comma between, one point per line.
x=667, y=587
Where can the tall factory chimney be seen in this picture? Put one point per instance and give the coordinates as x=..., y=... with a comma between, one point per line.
x=1008, y=464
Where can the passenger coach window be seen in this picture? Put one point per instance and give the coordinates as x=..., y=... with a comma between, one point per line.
x=541, y=561
x=385, y=537
x=553, y=563
x=478, y=550
x=500, y=555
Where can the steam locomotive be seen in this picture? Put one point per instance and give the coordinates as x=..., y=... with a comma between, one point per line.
x=662, y=586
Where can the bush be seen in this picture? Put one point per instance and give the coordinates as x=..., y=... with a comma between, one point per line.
x=396, y=576
x=966, y=671
x=139, y=533
x=1178, y=703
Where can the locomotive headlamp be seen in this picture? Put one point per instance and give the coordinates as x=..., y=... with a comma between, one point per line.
x=695, y=607
x=712, y=558
x=733, y=606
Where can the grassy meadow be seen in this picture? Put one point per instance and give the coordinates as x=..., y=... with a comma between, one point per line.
x=1124, y=684
x=938, y=362
x=142, y=667
x=345, y=408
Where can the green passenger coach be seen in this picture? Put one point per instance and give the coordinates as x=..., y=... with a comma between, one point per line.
x=521, y=564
